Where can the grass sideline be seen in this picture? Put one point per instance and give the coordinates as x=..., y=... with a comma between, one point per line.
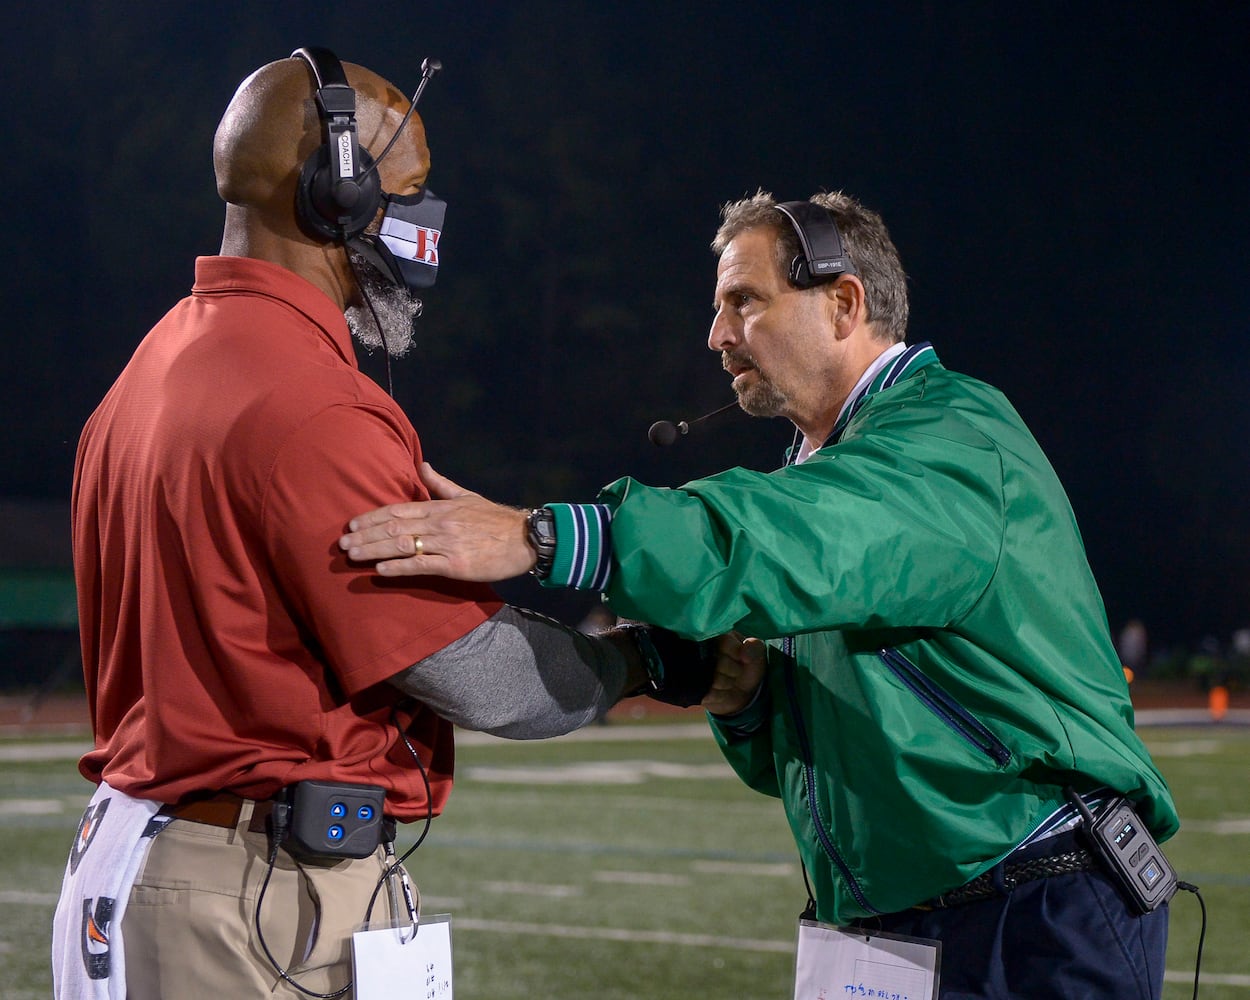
x=627, y=862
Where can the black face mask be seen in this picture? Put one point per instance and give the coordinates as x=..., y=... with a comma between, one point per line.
x=405, y=249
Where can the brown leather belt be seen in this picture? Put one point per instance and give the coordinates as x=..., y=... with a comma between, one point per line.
x=222, y=809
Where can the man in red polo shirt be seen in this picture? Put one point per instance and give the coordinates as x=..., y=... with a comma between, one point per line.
x=232, y=653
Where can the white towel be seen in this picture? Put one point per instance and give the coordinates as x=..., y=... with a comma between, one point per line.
x=88, y=961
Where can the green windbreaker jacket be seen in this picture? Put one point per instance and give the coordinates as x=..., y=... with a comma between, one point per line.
x=940, y=662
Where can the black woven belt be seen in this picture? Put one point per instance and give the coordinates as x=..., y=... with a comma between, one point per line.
x=985, y=886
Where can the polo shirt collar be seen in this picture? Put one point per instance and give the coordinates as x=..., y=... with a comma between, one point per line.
x=225, y=275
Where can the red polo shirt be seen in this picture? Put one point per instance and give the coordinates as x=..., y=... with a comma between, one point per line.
x=228, y=644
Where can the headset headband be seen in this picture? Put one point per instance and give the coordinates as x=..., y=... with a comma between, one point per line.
x=336, y=199
x=824, y=255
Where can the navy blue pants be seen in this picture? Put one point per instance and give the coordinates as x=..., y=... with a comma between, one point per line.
x=1070, y=936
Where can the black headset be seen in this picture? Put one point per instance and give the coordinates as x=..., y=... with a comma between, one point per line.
x=823, y=255
x=337, y=195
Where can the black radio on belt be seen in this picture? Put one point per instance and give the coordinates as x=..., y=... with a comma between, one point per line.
x=1132, y=858
x=330, y=820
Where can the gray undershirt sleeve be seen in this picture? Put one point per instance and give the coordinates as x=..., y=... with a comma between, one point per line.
x=519, y=675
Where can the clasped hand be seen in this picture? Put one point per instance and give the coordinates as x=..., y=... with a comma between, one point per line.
x=740, y=668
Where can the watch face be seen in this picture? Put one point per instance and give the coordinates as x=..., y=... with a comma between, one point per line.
x=542, y=527
x=542, y=537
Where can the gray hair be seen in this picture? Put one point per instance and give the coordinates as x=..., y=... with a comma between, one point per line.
x=863, y=234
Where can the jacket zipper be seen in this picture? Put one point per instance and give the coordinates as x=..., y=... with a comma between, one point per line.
x=945, y=707
x=809, y=778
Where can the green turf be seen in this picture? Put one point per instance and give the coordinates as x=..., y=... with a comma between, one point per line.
x=640, y=869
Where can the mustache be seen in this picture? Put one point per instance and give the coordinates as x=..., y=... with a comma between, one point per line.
x=737, y=359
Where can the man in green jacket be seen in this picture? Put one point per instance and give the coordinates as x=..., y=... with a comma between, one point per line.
x=938, y=669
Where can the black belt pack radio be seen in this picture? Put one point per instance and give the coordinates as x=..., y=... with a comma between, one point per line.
x=1128, y=851
x=330, y=820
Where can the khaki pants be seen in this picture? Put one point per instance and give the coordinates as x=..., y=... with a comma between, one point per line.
x=190, y=924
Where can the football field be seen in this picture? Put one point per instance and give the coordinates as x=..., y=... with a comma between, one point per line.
x=627, y=861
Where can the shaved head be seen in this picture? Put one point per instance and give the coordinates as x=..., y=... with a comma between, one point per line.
x=271, y=127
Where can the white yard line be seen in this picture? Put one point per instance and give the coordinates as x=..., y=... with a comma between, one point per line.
x=620, y=934
x=626, y=732
x=641, y=878
x=42, y=751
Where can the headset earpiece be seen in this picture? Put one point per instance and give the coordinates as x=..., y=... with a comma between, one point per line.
x=823, y=256
x=336, y=211
x=337, y=195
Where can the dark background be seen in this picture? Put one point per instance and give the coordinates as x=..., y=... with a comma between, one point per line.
x=1066, y=183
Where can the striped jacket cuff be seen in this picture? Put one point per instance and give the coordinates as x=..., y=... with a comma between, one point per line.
x=583, y=558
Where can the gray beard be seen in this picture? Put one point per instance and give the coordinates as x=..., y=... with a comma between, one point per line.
x=763, y=399
x=396, y=309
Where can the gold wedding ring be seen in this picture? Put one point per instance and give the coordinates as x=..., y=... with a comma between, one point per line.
x=418, y=546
